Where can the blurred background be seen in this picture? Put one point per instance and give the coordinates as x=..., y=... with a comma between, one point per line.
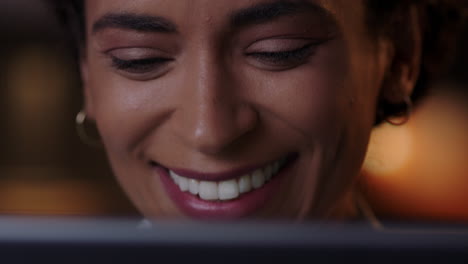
x=416, y=171
x=44, y=167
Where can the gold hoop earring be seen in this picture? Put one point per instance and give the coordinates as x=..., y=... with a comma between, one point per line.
x=80, y=121
x=403, y=114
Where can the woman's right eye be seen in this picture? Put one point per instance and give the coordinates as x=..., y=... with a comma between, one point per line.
x=139, y=66
x=139, y=63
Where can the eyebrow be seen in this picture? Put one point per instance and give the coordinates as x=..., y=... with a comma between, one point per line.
x=137, y=22
x=266, y=12
x=257, y=14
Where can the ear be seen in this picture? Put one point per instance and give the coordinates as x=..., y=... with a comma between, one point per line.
x=405, y=66
x=88, y=101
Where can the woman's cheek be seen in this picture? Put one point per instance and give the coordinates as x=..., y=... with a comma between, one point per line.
x=123, y=110
x=312, y=97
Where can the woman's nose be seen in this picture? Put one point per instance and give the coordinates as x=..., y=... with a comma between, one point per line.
x=213, y=114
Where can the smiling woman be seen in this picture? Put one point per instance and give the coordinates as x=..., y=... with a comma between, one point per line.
x=236, y=109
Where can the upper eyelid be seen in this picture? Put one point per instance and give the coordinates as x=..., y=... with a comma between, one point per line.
x=135, y=56
x=298, y=48
x=143, y=59
x=281, y=44
x=135, y=53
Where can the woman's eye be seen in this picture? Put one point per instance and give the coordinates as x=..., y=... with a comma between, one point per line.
x=284, y=58
x=139, y=66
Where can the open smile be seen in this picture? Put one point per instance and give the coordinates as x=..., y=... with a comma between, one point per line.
x=231, y=194
x=228, y=189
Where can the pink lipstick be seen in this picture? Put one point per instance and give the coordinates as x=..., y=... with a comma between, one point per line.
x=227, y=195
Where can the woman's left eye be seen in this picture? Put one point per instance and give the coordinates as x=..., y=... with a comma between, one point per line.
x=284, y=56
x=281, y=54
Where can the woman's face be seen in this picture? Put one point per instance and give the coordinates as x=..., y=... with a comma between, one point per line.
x=230, y=109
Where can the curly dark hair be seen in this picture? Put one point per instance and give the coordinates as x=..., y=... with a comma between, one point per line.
x=441, y=20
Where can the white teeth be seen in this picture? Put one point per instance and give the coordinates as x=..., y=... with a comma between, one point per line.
x=228, y=190
x=183, y=184
x=208, y=190
x=258, y=179
x=245, y=184
x=174, y=177
x=193, y=186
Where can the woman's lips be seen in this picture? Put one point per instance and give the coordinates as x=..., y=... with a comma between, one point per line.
x=236, y=194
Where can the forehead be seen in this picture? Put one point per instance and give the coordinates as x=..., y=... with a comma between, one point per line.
x=215, y=13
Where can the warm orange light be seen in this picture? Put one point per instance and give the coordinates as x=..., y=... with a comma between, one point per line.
x=420, y=170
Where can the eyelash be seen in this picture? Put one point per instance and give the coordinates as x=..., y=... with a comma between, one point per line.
x=138, y=66
x=279, y=58
x=284, y=56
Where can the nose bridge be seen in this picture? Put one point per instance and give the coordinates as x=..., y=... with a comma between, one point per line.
x=214, y=114
x=208, y=74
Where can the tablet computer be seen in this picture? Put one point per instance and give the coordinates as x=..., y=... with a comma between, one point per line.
x=55, y=240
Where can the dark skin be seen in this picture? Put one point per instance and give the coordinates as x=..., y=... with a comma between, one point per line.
x=212, y=86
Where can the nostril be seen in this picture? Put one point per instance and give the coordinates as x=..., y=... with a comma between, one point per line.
x=153, y=163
